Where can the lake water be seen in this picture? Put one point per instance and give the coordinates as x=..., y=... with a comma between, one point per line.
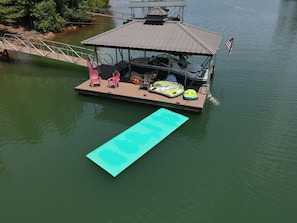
x=236, y=162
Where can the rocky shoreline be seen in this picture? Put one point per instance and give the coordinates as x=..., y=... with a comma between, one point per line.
x=26, y=34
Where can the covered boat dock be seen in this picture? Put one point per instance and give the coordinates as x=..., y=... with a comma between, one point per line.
x=146, y=37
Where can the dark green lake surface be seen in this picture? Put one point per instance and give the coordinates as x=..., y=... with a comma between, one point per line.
x=236, y=162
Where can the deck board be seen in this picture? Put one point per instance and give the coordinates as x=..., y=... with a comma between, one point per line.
x=131, y=92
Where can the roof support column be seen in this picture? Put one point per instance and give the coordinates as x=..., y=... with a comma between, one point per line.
x=129, y=57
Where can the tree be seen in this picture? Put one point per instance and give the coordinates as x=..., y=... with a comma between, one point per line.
x=97, y=4
x=11, y=11
x=78, y=13
x=48, y=15
x=45, y=17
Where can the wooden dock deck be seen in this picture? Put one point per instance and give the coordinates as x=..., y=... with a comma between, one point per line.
x=131, y=92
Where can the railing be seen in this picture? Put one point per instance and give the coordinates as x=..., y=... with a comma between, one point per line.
x=50, y=49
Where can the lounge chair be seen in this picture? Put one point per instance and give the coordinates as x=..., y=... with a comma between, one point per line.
x=114, y=80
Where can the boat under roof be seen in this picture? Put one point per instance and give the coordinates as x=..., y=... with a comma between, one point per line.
x=155, y=33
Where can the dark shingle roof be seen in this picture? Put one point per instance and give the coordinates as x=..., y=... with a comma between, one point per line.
x=172, y=36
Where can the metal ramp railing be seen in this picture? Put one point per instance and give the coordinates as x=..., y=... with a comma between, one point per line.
x=50, y=49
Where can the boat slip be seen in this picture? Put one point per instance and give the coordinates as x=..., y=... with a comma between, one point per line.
x=117, y=154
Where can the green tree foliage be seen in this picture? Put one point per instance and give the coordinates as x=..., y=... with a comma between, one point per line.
x=11, y=11
x=48, y=15
x=45, y=17
x=78, y=13
x=95, y=4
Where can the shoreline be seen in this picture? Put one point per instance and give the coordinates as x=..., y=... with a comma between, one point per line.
x=26, y=34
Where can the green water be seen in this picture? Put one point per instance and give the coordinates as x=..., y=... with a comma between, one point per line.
x=236, y=162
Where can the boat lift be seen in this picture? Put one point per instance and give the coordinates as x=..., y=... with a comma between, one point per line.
x=174, y=7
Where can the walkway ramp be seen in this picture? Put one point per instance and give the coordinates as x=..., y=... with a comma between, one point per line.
x=51, y=49
x=120, y=152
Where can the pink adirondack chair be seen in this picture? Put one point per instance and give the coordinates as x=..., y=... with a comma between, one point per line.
x=114, y=80
x=90, y=66
x=95, y=79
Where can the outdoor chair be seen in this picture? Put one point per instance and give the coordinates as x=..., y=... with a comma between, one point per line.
x=147, y=79
x=95, y=79
x=114, y=80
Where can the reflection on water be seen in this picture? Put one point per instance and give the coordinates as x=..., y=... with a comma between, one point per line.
x=34, y=106
x=288, y=15
x=3, y=173
x=286, y=29
x=233, y=163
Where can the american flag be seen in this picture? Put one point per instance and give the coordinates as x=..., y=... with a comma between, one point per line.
x=229, y=45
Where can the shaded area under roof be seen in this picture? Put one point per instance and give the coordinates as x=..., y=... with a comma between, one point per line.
x=172, y=37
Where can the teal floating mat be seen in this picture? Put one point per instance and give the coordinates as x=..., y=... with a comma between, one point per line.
x=121, y=151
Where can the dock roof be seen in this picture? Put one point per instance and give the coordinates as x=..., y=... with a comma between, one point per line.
x=172, y=37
